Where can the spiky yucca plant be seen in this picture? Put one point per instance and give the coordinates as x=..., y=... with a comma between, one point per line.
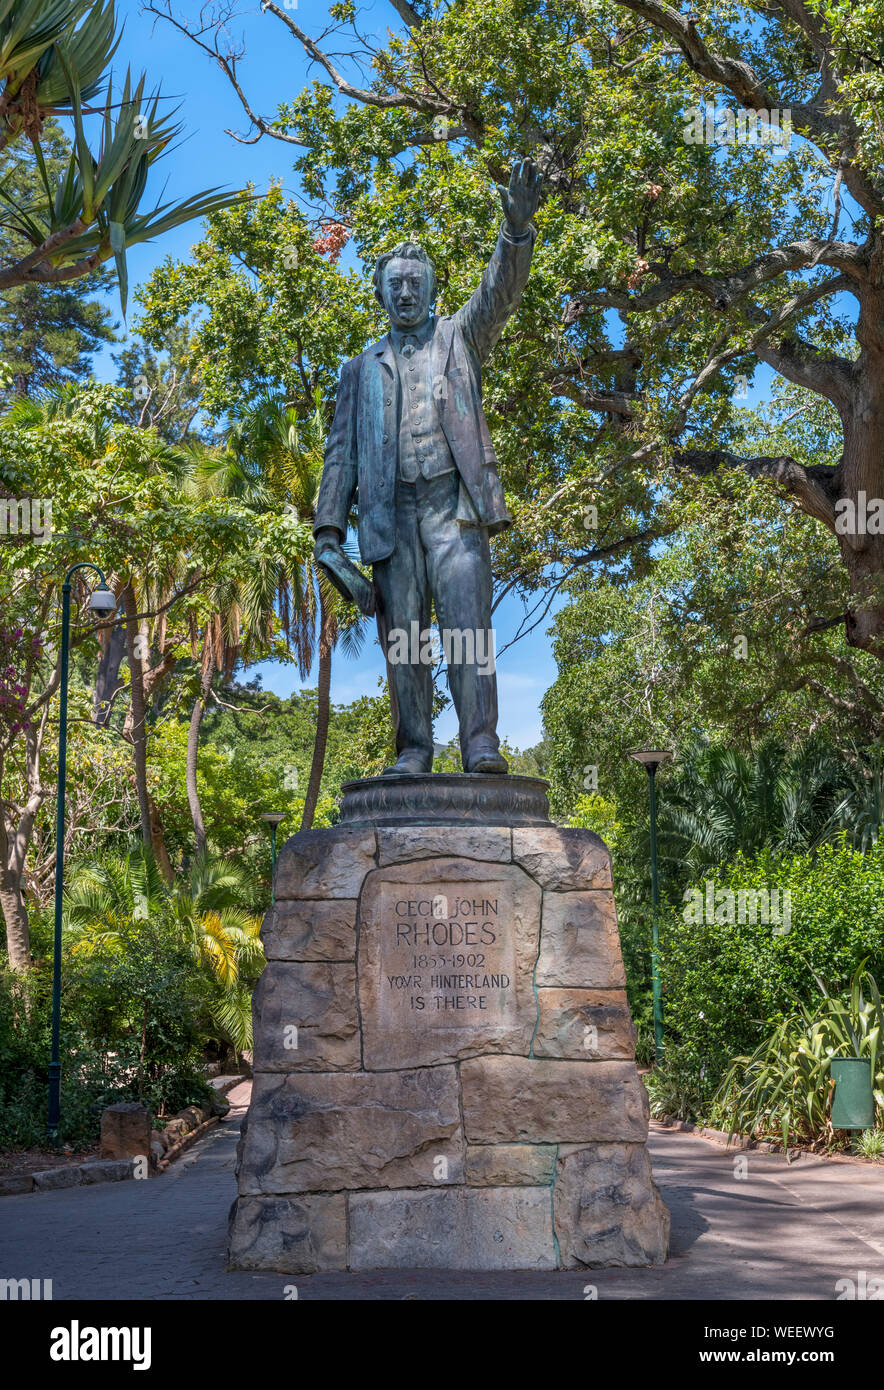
x=52, y=57
x=784, y=1088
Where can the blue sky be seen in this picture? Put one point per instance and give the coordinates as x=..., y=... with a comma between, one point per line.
x=274, y=69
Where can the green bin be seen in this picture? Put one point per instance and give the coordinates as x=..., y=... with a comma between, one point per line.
x=853, y=1106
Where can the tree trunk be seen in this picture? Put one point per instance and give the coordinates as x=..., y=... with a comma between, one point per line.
x=16, y=833
x=158, y=840
x=860, y=516
x=15, y=915
x=107, y=677
x=193, y=743
x=323, y=713
x=138, y=729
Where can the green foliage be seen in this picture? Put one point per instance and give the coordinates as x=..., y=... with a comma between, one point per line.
x=165, y=388
x=111, y=899
x=276, y=319
x=784, y=1088
x=130, y=1030
x=48, y=332
x=656, y=657
x=140, y=997
x=727, y=983
x=52, y=59
x=675, y=1086
x=718, y=803
x=869, y=1144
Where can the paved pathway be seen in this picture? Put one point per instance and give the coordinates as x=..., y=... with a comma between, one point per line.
x=785, y=1232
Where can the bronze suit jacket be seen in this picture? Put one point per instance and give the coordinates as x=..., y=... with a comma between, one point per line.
x=361, y=456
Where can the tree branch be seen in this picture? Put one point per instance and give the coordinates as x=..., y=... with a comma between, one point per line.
x=820, y=121
x=813, y=487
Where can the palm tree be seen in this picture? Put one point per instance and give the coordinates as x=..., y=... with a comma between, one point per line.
x=150, y=587
x=204, y=911
x=273, y=458
x=720, y=803
x=861, y=812
x=33, y=74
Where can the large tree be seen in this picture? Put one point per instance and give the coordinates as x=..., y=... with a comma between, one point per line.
x=116, y=501
x=676, y=255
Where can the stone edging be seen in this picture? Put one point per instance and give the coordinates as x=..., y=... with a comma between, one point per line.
x=743, y=1141
x=71, y=1175
x=95, y=1170
x=185, y=1142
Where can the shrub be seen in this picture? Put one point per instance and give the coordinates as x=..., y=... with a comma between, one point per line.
x=130, y=1029
x=676, y=1085
x=728, y=985
x=784, y=1088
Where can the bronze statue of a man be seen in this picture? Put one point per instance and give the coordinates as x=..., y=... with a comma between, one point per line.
x=410, y=441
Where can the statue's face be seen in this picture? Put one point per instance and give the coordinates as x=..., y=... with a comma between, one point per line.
x=405, y=288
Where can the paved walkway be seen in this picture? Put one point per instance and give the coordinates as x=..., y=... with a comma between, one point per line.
x=785, y=1232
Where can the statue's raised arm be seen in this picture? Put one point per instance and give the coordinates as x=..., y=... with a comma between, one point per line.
x=482, y=318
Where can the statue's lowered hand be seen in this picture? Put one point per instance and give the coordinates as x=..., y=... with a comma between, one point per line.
x=521, y=199
x=349, y=581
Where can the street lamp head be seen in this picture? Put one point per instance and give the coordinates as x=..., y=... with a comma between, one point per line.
x=650, y=758
x=103, y=600
x=274, y=817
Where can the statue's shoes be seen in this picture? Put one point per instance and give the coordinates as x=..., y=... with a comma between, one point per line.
x=488, y=761
x=409, y=764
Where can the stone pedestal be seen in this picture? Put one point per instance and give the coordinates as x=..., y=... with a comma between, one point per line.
x=443, y=1060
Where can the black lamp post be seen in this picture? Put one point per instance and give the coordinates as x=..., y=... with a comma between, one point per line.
x=650, y=759
x=102, y=601
x=273, y=819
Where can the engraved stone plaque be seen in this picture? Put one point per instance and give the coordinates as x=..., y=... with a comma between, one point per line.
x=446, y=954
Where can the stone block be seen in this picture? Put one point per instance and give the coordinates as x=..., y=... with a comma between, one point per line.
x=11, y=1184
x=52, y=1178
x=125, y=1130
x=579, y=942
x=607, y=1208
x=446, y=952
x=294, y=1235
x=444, y=956
x=510, y=1165
x=337, y=1130
x=583, y=1024
x=310, y=929
x=562, y=859
x=194, y=1116
x=512, y=1099
x=489, y=843
x=454, y=1228
x=108, y=1169
x=325, y=863
x=305, y=1017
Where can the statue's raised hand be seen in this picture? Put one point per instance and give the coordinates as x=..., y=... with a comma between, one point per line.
x=521, y=199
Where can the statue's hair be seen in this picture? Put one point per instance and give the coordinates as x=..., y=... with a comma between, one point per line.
x=407, y=251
